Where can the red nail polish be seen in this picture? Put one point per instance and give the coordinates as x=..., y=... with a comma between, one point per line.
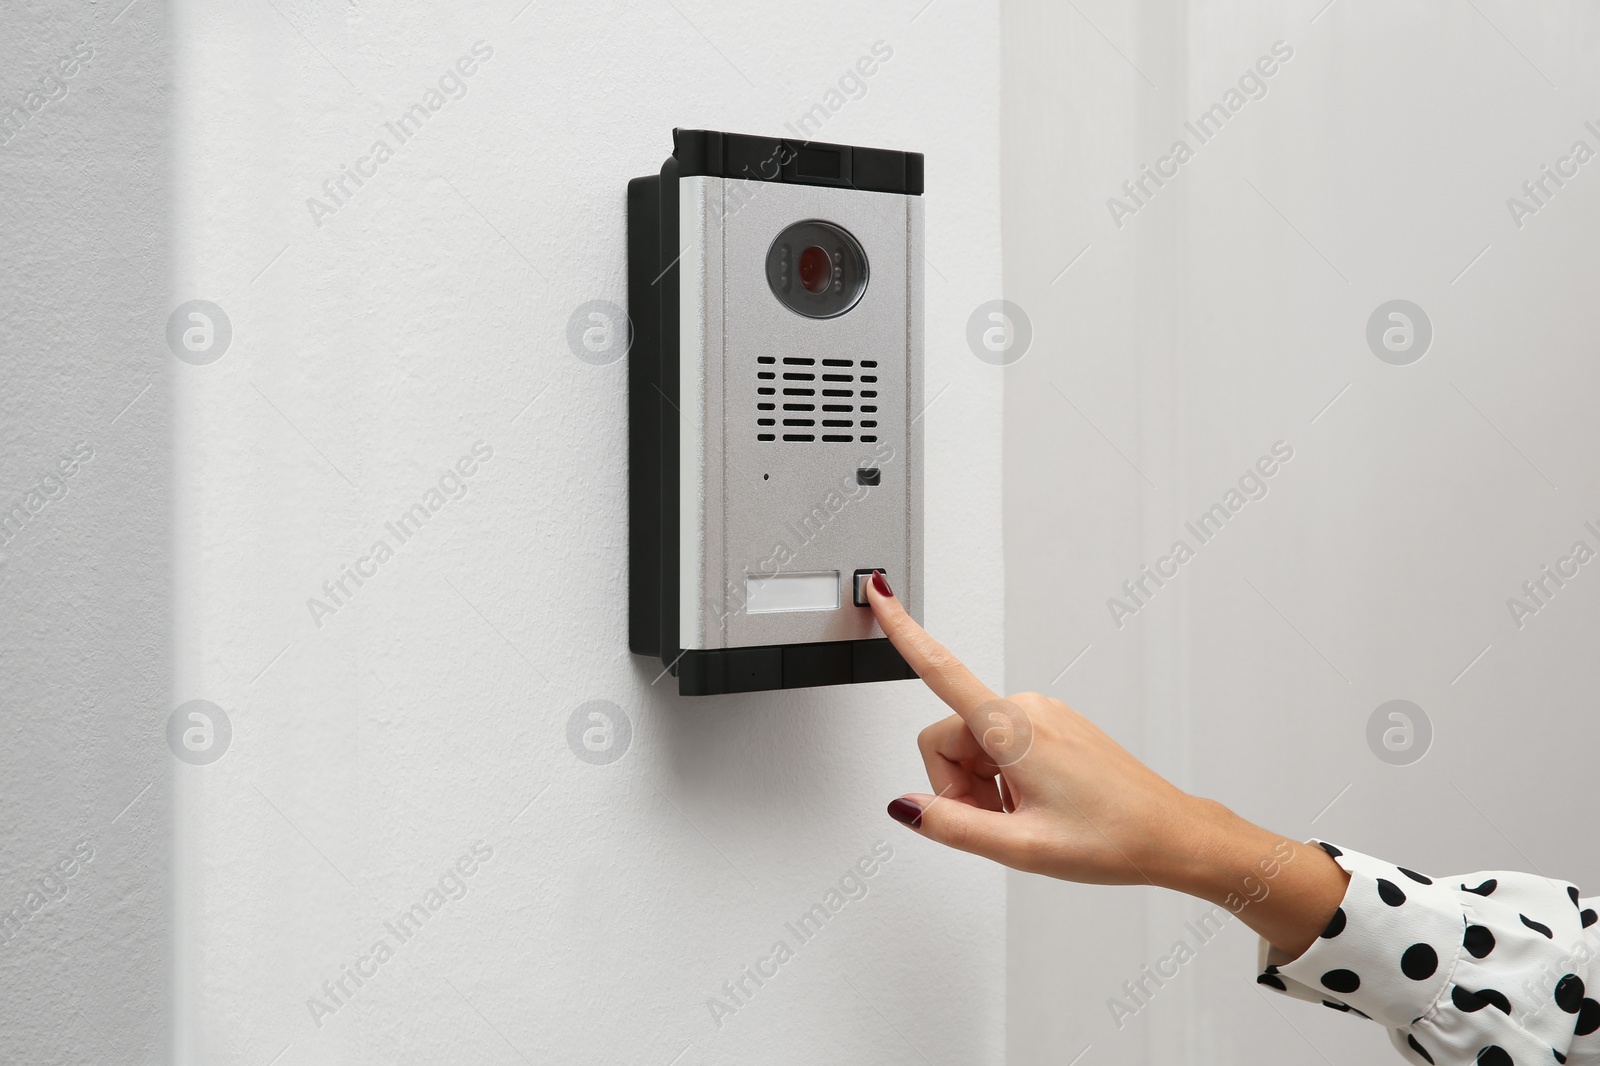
x=881, y=583
x=905, y=812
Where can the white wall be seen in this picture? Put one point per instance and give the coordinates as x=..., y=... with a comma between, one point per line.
x=370, y=352
x=85, y=427
x=1225, y=316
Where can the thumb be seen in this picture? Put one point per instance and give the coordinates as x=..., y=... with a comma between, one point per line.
x=991, y=834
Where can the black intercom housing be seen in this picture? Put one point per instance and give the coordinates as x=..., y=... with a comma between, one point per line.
x=743, y=194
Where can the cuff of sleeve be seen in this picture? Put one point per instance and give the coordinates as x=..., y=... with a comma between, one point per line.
x=1387, y=953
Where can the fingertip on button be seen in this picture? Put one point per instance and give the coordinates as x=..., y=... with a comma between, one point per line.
x=858, y=593
x=880, y=581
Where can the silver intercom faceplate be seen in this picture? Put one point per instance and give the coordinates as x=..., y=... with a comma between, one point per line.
x=775, y=289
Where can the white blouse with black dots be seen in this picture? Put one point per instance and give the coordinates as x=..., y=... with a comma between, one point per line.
x=1488, y=969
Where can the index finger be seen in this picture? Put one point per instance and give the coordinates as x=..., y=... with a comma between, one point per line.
x=940, y=670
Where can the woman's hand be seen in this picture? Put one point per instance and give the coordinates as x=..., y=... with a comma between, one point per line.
x=1030, y=783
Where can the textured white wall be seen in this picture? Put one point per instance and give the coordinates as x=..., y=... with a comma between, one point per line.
x=85, y=499
x=1226, y=314
x=421, y=318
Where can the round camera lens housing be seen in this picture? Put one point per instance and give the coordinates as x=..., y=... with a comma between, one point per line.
x=817, y=269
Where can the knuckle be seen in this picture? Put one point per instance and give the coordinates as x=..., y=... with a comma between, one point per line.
x=1027, y=848
x=937, y=658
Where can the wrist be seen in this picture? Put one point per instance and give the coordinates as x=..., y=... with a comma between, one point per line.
x=1217, y=855
x=1285, y=890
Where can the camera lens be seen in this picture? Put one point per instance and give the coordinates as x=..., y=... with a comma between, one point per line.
x=816, y=269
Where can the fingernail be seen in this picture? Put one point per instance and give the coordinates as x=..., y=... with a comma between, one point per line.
x=881, y=583
x=905, y=812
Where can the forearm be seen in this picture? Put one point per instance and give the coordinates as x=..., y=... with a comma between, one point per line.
x=1285, y=890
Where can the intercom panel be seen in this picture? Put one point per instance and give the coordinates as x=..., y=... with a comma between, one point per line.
x=775, y=380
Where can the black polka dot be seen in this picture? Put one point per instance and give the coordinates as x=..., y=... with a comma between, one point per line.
x=1418, y=878
x=1390, y=893
x=1497, y=998
x=1341, y=981
x=1335, y=924
x=1569, y=993
x=1588, y=917
x=1330, y=849
x=1272, y=982
x=1537, y=927
x=1418, y=1048
x=1419, y=962
x=1479, y=941
x=1572, y=891
x=1485, y=889
x=1471, y=1002
x=1588, y=1018
x=1494, y=1055
x=1559, y=1056
x=1336, y=1006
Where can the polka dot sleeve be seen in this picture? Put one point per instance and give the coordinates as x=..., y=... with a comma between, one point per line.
x=1489, y=969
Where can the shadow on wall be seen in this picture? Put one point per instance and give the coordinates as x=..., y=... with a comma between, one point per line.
x=85, y=536
x=749, y=741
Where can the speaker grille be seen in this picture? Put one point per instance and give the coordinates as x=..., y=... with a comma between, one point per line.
x=802, y=400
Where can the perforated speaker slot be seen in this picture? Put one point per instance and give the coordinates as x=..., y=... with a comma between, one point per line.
x=840, y=393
